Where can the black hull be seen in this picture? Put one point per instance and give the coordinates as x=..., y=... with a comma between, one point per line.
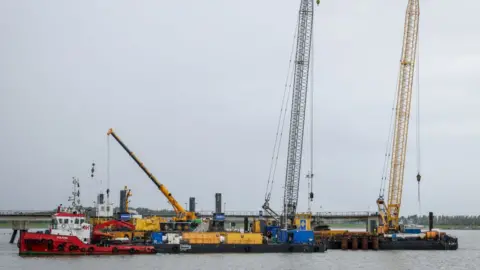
x=388, y=244
x=234, y=248
x=417, y=245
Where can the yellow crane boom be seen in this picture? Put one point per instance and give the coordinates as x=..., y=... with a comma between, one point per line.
x=390, y=213
x=182, y=214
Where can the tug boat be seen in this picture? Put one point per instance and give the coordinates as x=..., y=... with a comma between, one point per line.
x=70, y=234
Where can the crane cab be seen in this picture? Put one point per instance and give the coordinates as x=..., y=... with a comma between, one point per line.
x=302, y=221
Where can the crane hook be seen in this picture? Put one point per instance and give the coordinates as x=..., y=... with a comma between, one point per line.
x=318, y=2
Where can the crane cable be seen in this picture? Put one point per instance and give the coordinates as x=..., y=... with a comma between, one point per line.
x=108, y=161
x=108, y=170
x=389, y=144
x=310, y=174
x=281, y=123
x=418, y=123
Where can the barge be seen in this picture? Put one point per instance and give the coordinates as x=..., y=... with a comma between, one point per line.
x=237, y=242
x=362, y=241
x=407, y=239
x=239, y=248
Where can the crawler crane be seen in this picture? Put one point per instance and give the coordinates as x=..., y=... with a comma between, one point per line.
x=297, y=119
x=390, y=211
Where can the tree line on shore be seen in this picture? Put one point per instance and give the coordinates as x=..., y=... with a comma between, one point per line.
x=423, y=219
x=443, y=220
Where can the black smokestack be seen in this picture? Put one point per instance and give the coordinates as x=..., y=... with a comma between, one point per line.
x=123, y=201
x=192, y=204
x=430, y=221
x=218, y=202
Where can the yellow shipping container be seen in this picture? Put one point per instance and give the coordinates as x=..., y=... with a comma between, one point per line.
x=188, y=235
x=147, y=224
x=202, y=237
x=204, y=241
x=244, y=238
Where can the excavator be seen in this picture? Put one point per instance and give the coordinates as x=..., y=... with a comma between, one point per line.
x=182, y=215
x=113, y=229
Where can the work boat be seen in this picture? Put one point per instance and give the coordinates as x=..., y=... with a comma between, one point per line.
x=70, y=234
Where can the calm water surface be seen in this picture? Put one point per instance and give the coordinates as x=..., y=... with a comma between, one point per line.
x=466, y=257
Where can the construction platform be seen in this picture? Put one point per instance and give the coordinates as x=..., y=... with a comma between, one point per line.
x=345, y=240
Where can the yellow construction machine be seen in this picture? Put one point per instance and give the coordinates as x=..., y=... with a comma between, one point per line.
x=182, y=215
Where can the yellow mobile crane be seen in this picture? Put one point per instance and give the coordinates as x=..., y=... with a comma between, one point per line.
x=390, y=212
x=181, y=214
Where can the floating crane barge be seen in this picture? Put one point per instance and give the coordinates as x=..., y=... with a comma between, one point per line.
x=409, y=239
x=392, y=235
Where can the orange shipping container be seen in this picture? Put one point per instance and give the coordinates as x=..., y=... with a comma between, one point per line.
x=203, y=241
x=201, y=238
x=244, y=238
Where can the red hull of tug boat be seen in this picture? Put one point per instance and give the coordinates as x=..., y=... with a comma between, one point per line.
x=46, y=244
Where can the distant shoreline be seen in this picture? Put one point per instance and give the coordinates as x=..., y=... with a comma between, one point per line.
x=33, y=225
x=441, y=227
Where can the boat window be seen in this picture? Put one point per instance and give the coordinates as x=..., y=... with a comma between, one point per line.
x=76, y=221
x=71, y=220
x=108, y=208
x=81, y=221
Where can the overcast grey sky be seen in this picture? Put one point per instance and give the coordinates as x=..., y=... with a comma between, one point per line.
x=194, y=88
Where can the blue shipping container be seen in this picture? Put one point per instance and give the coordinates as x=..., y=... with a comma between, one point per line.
x=157, y=237
x=412, y=231
x=303, y=237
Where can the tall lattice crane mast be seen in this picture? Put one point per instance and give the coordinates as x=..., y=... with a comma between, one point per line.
x=299, y=103
x=297, y=119
x=391, y=212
